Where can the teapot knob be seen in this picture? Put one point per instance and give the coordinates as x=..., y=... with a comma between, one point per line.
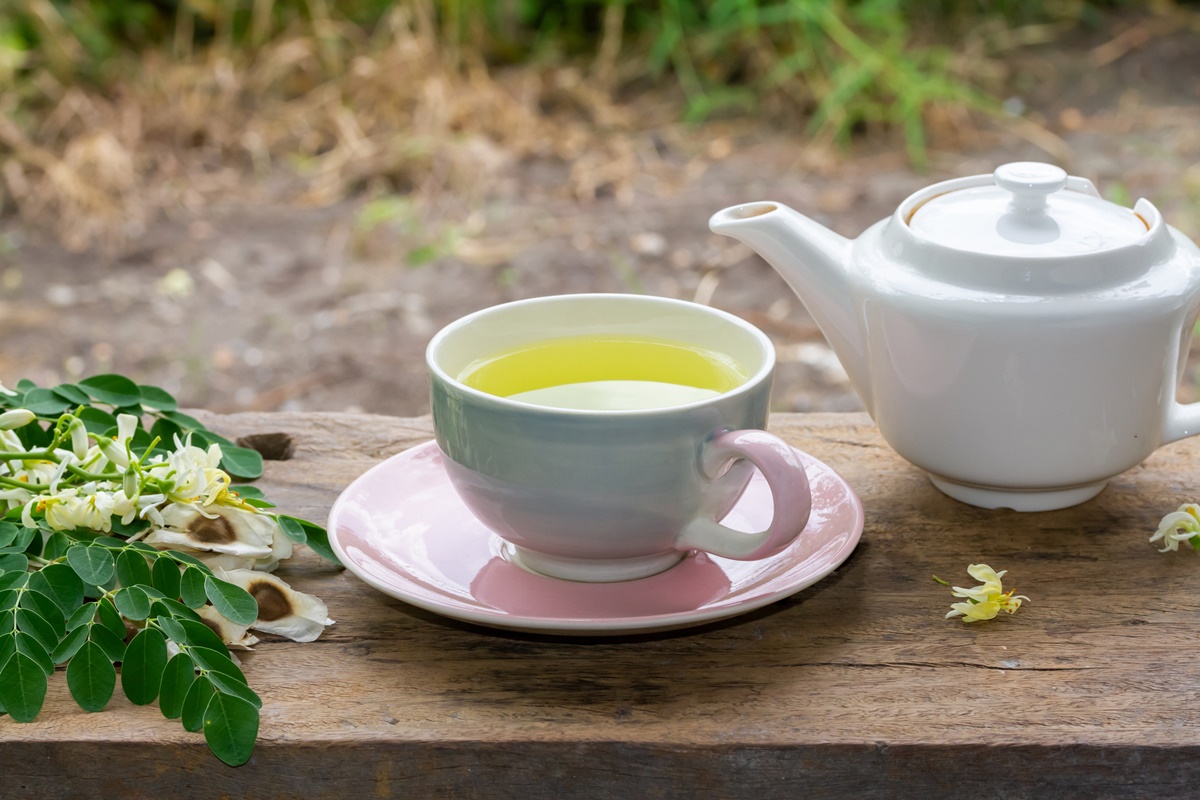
x=1030, y=182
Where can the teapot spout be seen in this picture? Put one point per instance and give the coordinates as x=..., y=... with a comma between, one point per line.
x=814, y=262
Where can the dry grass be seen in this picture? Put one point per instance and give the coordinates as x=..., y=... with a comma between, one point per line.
x=344, y=111
x=327, y=109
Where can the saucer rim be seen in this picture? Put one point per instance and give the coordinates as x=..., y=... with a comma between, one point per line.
x=590, y=627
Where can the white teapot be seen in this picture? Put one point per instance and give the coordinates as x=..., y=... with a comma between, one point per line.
x=1014, y=335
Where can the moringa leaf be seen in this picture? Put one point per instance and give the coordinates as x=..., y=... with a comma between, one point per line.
x=173, y=608
x=170, y=626
x=227, y=685
x=218, y=662
x=241, y=462
x=192, y=587
x=23, y=687
x=81, y=616
x=13, y=562
x=72, y=394
x=157, y=398
x=33, y=648
x=184, y=421
x=70, y=645
x=56, y=547
x=13, y=580
x=110, y=618
x=91, y=677
x=97, y=421
x=143, y=665
x=8, y=533
x=190, y=560
x=94, y=565
x=195, y=702
x=133, y=603
x=292, y=528
x=46, y=608
x=30, y=622
x=113, y=390
x=230, y=728
x=137, y=525
x=113, y=645
x=198, y=634
x=60, y=583
x=318, y=540
x=232, y=602
x=45, y=403
x=165, y=577
x=177, y=679
x=133, y=569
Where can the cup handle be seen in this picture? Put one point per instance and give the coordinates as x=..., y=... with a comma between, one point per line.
x=790, y=492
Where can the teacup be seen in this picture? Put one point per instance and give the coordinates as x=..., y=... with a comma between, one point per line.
x=604, y=436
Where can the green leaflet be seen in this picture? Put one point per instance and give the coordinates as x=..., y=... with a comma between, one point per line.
x=133, y=603
x=70, y=645
x=30, y=622
x=230, y=728
x=91, y=677
x=113, y=390
x=241, y=462
x=143, y=665
x=23, y=687
x=177, y=679
x=192, y=587
x=194, y=704
x=165, y=577
x=61, y=584
x=113, y=646
x=32, y=648
x=94, y=565
x=232, y=602
x=133, y=569
x=157, y=398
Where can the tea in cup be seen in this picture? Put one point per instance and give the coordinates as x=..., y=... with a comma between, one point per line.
x=604, y=436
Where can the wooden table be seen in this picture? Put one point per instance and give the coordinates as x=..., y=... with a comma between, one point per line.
x=855, y=687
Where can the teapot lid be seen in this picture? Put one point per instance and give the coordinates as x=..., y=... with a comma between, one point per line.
x=1029, y=209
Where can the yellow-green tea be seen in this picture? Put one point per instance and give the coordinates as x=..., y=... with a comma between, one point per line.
x=602, y=372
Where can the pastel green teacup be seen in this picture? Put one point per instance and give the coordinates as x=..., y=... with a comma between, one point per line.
x=605, y=436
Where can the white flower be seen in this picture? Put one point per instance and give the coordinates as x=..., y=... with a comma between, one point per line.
x=1182, y=525
x=117, y=450
x=281, y=610
x=70, y=510
x=17, y=418
x=190, y=473
x=254, y=539
x=232, y=634
x=79, y=438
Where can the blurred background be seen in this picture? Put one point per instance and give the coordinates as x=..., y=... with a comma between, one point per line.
x=273, y=204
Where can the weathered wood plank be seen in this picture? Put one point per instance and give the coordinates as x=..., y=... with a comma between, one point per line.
x=854, y=687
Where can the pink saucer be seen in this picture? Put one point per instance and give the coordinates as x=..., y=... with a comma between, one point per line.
x=402, y=529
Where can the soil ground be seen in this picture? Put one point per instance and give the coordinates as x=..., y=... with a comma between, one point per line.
x=256, y=304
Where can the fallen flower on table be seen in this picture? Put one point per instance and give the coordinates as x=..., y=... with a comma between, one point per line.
x=985, y=601
x=1181, y=525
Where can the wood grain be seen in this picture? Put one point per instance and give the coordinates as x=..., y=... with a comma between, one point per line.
x=855, y=687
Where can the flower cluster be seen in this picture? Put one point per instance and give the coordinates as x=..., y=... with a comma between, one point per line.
x=178, y=499
x=985, y=601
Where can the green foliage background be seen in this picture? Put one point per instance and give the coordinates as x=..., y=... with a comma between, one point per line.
x=841, y=63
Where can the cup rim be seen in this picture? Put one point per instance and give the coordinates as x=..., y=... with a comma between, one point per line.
x=764, y=372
